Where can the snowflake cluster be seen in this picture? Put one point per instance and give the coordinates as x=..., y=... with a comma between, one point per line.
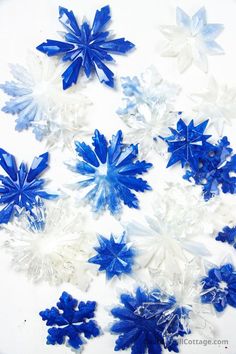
x=210, y=165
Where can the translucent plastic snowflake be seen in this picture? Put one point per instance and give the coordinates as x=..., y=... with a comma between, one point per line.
x=86, y=47
x=192, y=39
x=21, y=187
x=114, y=256
x=186, y=143
x=168, y=236
x=219, y=287
x=228, y=234
x=70, y=320
x=149, y=108
x=148, y=321
x=218, y=103
x=110, y=169
x=55, y=251
x=40, y=105
x=215, y=168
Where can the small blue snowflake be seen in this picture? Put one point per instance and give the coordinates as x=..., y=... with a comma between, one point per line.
x=86, y=47
x=110, y=170
x=148, y=321
x=219, y=287
x=22, y=187
x=228, y=234
x=114, y=256
x=186, y=143
x=70, y=319
x=214, y=170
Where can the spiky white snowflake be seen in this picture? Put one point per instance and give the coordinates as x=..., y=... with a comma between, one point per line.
x=168, y=237
x=218, y=103
x=55, y=251
x=39, y=103
x=192, y=39
x=148, y=108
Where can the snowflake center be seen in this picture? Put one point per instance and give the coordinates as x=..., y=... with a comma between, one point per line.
x=223, y=285
x=102, y=170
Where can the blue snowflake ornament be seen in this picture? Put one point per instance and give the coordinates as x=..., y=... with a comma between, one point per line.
x=219, y=287
x=228, y=234
x=86, y=47
x=114, y=256
x=186, y=143
x=214, y=168
x=21, y=188
x=70, y=319
x=111, y=170
x=149, y=321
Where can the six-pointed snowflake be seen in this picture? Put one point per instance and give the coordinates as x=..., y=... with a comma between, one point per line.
x=110, y=169
x=149, y=109
x=86, y=47
x=219, y=287
x=40, y=105
x=71, y=320
x=115, y=256
x=186, y=143
x=192, y=39
x=21, y=187
x=147, y=321
x=228, y=234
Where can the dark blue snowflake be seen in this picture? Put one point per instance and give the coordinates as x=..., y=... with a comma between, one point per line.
x=186, y=143
x=214, y=170
x=86, y=47
x=22, y=187
x=70, y=319
x=114, y=256
x=148, y=321
x=219, y=287
x=228, y=234
x=110, y=169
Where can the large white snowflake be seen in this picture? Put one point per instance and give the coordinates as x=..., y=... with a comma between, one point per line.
x=192, y=39
x=40, y=104
x=218, y=103
x=148, y=109
x=168, y=236
x=56, y=248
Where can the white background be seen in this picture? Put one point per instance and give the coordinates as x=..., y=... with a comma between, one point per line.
x=23, y=25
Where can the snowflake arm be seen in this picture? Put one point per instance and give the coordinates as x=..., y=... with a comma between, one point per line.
x=111, y=170
x=70, y=319
x=86, y=47
x=114, y=256
x=228, y=234
x=21, y=187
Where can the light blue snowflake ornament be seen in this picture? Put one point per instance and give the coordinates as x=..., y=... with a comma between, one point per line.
x=148, y=322
x=70, y=319
x=21, y=187
x=192, y=39
x=110, y=170
x=115, y=256
x=86, y=47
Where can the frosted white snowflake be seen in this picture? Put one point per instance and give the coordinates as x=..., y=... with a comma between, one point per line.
x=149, y=108
x=40, y=104
x=218, y=103
x=169, y=236
x=57, y=250
x=192, y=39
